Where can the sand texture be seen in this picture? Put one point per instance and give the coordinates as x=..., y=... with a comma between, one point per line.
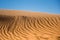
x=23, y=25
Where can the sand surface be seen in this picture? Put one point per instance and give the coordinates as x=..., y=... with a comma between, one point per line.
x=23, y=25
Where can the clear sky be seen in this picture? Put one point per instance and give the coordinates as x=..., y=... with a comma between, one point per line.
x=51, y=6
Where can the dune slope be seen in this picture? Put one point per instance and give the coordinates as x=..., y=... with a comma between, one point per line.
x=22, y=25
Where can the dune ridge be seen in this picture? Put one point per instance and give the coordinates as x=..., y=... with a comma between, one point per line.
x=32, y=26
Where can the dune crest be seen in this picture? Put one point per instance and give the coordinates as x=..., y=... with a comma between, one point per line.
x=21, y=25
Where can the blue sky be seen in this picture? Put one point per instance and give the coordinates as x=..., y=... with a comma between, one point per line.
x=50, y=6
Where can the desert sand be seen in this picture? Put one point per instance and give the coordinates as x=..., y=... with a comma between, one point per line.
x=24, y=25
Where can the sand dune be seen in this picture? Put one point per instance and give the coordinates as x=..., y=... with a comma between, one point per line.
x=23, y=25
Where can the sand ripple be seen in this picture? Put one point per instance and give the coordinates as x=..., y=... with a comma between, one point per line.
x=29, y=28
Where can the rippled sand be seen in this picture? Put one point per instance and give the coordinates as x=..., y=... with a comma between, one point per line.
x=22, y=25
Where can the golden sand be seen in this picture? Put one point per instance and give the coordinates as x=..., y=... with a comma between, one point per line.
x=23, y=25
